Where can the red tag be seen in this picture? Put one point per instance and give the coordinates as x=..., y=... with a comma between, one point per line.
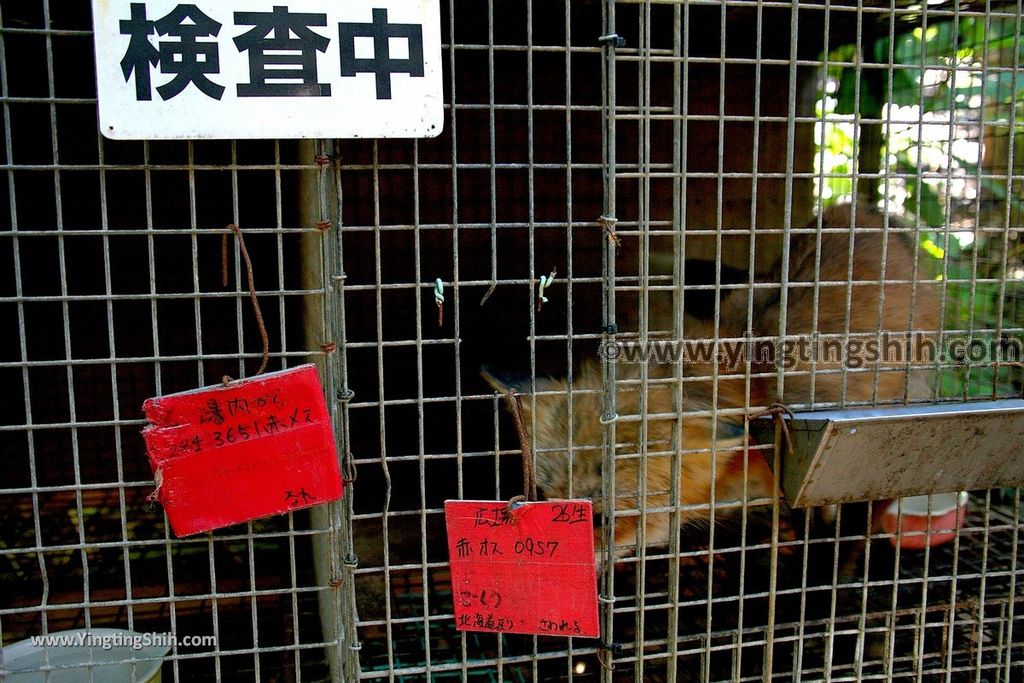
x=257, y=447
x=528, y=569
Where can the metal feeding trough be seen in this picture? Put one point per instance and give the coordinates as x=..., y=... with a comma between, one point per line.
x=843, y=456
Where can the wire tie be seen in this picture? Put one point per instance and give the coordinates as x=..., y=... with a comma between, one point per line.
x=777, y=410
x=545, y=282
x=323, y=226
x=613, y=647
x=514, y=502
x=345, y=395
x=350, y=473
x=609, y=223
x=606, y=652
x=328, y=348
x=322, y=160
x=351, y=561
x=613, y=39
x=154, y=497
x=608, y=419
x=439, y=299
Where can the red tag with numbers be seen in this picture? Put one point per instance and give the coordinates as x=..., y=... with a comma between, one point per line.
x=525, y=569
x=256, y=447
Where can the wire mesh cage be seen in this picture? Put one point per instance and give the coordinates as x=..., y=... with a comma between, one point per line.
x=700, y=181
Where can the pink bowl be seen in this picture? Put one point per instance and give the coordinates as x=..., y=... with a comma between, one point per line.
x=910, y=516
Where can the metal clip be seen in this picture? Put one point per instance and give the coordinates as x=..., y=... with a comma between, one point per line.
x=439, y=299
x=545, y=282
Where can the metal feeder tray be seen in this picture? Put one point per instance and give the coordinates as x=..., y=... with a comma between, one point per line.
x=842, y=456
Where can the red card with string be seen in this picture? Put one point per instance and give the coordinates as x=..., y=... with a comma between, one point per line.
x=523, y=567
x=249, y=449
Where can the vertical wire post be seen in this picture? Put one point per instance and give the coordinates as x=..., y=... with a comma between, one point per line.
x=609, y=42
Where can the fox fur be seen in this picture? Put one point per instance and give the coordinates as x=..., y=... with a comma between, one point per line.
x=714, y=465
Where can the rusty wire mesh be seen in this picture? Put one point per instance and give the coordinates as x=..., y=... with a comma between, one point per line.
x=655, y=176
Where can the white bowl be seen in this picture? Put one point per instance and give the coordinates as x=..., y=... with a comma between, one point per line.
x=22, y=662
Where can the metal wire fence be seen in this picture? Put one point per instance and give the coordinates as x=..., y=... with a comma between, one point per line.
x=678, y=167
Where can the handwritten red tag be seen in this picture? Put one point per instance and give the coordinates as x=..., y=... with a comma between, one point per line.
x=528, y=569
x=257, y=447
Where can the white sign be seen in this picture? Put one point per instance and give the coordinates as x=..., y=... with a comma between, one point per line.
x=268, y=68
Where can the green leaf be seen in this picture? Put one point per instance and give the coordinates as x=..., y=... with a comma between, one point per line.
x=926, y=203
x=846, y=95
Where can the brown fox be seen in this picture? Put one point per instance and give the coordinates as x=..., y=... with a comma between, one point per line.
x=642, y=480
x=712, y=464
x=881, y=317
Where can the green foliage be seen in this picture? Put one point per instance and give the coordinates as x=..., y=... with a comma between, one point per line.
x=834, y=158
x=930, y=68
x=943, y=78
